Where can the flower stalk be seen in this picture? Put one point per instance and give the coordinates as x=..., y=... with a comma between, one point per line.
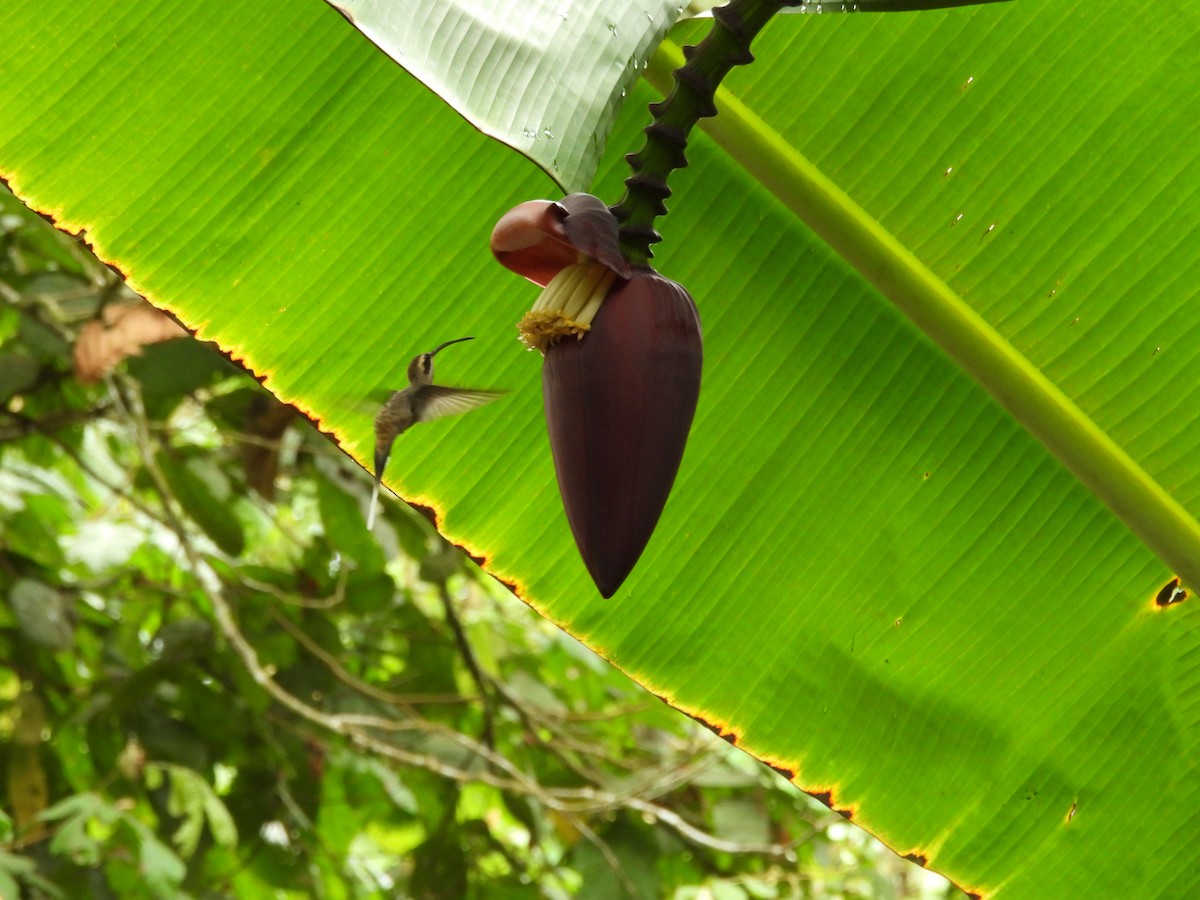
x=725, y=46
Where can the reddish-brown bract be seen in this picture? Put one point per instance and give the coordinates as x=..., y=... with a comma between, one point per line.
x=540, y=238
x=619, y=405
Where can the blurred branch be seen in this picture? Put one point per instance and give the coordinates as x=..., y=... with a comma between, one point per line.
x=603, y=715
x=606, y=851
x=405, y=701
x=561, y=742
x=23, y=425
x=141, y=434
x=658, y=781
x=488, y=735
x=88, y=470
x=10, y=294
x=782, y=852
x=262, y=587
x=570, y=801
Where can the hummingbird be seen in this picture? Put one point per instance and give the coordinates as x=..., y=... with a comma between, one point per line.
x=421, y=401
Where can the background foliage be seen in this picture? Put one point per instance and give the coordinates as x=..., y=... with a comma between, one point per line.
x=436, y=738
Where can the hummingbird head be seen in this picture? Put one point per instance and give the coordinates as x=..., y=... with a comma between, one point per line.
x=420, y=370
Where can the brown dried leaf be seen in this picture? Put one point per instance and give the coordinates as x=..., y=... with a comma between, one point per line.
x=28, y=789
x=266, y=419
x=123, y=332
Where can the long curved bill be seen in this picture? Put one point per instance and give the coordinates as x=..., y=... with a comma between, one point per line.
x=440, y=347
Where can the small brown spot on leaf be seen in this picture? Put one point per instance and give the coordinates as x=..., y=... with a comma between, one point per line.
x=826, y=797
x=307, y=416
x=115, y=269
x=49, y=218
x=1071, y=812
x=346, y=14
x=512, y=586
x=718, y=730
x=786, y=773
x=427, y=511
x=919, y=858
x=1170, y=594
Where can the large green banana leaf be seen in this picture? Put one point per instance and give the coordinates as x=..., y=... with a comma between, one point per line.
x=869, y=575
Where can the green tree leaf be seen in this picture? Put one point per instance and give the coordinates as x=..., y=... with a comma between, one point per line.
x=193, y=799
x=553, y=73
x=31, y=531
x=170, y=370
x=73, y=816
x=346, y=528
x=15, y=868
x=43, y=613
x=198, y=500
x=160, y=869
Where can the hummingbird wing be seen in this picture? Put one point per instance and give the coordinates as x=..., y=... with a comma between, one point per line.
x=435, y=401
x=405, y=408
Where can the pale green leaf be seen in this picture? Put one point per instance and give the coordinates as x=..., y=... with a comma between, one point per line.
x=72, y=816
x=161, y=869
x=544, y=76
x=192, y=798
x=43, y=613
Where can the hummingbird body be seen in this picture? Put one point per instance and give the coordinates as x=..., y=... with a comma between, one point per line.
x=421, y=401
x=396, y=417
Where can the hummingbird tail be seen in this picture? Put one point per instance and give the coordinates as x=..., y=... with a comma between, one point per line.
x=381, y=458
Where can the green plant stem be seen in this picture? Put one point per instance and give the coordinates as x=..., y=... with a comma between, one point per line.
x=1082, y=446
x=690, y=99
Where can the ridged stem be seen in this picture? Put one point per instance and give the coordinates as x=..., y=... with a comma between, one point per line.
x=691, y=99
x=1151, y=513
